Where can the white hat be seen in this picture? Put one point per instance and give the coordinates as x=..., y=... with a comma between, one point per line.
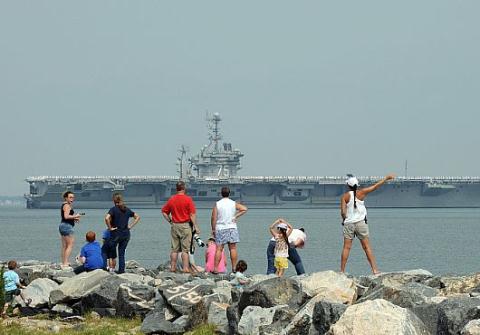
x=352, y=181
x=282, y=226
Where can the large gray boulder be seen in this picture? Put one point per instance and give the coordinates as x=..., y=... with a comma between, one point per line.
x=135, y=300
x=471, y=328
x=405, y=295
x=134, y=278
x=333, y=286
x=34, y=270
x=325, y=314
x=273, y=292
x=173, y=277
x=217, y=315
x=183, y=298
x=104, y=296
x=39, y=291
x=455, y=313
x=448, y=315
x=378, y=317
x=155, y=323
x=302, y=322
x=397, y=278
x=255, y=317
x=459, y=285
x=76, y=287
x=233, y=317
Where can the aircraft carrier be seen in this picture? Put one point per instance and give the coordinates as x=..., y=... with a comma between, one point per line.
x=217, y=165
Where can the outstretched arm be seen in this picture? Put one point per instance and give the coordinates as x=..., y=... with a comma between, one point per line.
x=375, y=186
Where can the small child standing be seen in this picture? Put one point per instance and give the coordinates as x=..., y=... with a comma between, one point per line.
x=12, y=287
x=109, y=253
x=210, y=258
x=280, y=230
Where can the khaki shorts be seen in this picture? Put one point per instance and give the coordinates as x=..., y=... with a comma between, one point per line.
x=359, y=229
x=181, y=235
x=281, y=263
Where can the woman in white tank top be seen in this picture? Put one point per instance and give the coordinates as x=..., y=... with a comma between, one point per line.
x=354, y=215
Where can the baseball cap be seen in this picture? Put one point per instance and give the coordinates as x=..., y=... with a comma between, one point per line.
x=282, y=225
x=352, y=181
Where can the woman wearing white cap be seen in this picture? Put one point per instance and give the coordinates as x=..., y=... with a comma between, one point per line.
x=354, y=216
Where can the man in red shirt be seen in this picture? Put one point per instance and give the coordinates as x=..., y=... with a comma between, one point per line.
x=179, y=211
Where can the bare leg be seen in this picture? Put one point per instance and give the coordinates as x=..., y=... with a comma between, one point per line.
x=69, y=240
x=369, y=252
x=64, y=246
x=173, y=261
x=185, y=262
x=347, y=246
x=218, y=257
x=281, y=272
x=233, y=255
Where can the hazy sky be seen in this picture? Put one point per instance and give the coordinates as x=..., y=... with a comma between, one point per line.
x=304, y=88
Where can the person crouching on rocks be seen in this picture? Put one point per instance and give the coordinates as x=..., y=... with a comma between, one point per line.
x=280, y=230
x=90, y=255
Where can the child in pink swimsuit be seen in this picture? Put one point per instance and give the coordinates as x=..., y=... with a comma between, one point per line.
x=210, y=258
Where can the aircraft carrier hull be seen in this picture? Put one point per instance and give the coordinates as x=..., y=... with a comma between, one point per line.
x=267, y=192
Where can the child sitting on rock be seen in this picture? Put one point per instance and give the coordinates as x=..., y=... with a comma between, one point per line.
x=240, y=279
x=90, y=255
x=280, y=230
x=12, y=287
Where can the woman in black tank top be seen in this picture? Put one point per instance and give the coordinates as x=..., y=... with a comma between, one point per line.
x=68, y=220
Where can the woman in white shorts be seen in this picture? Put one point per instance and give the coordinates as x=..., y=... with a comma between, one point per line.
x=354, y=215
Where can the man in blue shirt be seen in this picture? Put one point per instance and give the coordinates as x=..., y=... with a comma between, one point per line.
x=90, y=255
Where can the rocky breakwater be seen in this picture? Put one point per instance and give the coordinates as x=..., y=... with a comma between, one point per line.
x=327, y=302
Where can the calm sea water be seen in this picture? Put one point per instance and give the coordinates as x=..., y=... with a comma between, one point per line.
x=439, y=240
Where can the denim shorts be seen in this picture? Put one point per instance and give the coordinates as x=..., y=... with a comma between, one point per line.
x=65, y=229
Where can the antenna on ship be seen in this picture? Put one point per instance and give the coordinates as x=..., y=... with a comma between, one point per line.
x=214, y=135
x=181, y=161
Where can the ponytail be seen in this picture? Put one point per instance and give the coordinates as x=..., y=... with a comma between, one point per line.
x=354, y=188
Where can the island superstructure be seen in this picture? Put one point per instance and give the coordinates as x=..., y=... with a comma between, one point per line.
x=218, y=163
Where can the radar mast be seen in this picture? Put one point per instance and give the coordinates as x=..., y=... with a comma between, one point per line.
x=215, y=160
